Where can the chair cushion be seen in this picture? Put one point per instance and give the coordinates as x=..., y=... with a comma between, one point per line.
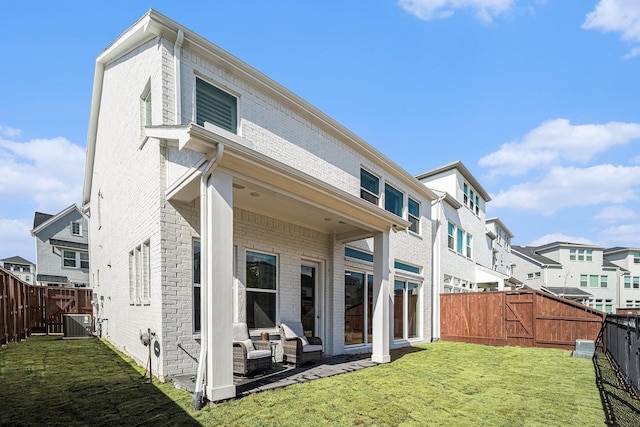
x=258, y=354
x=240, y=332
x=249, y=344
x=311, y=347
x=293, y=330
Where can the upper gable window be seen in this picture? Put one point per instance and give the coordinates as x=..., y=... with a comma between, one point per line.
x=215, y=106
x=76, y=229
x=393, y=200
x=369, y=187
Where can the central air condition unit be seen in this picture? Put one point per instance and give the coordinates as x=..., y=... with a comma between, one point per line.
x=76, y=325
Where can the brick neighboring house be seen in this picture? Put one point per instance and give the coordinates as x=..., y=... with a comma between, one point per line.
x=62, y=249
x=23, y=269
x=217, y=195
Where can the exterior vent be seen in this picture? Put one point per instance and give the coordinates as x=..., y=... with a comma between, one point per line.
x=76, y=325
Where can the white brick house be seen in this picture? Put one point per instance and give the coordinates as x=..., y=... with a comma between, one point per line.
x=216, y=195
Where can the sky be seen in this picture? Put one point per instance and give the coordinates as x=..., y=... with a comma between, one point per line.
x=540, y=99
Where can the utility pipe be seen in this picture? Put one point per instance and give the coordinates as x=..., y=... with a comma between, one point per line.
x=176, y=77
x=198, y=393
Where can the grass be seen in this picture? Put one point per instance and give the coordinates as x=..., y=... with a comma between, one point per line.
x=49, y=381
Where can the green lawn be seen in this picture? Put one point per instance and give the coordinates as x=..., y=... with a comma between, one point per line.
x=50, y=381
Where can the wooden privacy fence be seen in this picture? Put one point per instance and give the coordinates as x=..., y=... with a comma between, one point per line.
x=525, y=318
x=25, y=309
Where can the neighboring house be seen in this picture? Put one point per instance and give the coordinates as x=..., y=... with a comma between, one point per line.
x=62, y=249
x=571, y=270
x=628, y=260
x=217, y=195
x=21, y=268
x=472, y=253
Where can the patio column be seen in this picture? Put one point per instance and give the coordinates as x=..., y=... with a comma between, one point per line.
x=381, y=297
x=219, y=283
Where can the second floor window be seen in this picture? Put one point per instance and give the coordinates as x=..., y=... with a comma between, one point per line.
x=414, y=215
x=393, y=200
x=369, y=186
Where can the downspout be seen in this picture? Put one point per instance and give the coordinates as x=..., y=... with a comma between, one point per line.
x=176, y=77
x=435, y=279
x=198, y=393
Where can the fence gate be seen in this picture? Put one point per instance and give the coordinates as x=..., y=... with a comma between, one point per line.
x=519, y=319
x=60, y=301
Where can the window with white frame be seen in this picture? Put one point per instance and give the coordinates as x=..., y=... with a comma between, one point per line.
x=471, y=200
x=537, y=274
x=459, y=240
x=393, y=200
x=414, y=215
x=603, y=281
x=465, y=193
x=76, y=228
x=529, y=275
x=581, y=255
x=215, y=106
x=450, y=236
x=636, y=282
x=584, y=280
x=140, y=274
x=261, y=283
x=196, y=286
x=627, y=282
x=469, y=239
x=406, y=303
x=369, y=187
x=636, y=257
x=73, y=259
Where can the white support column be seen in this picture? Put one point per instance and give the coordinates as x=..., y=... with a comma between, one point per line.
x=381, y=318
x=219, y=241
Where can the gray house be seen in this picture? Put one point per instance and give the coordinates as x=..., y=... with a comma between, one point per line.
x=62, y=248
x=23, y=269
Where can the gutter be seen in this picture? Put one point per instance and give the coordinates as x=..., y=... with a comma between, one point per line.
x=198, y=394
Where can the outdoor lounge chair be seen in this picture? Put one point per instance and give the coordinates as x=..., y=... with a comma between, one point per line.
x=296, y=347
x=248, y=355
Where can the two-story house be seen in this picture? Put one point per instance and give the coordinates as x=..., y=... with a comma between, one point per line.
x=628, y=261
x=571, y=270
x=21, y=268
x=62, y=248
x=217, y=195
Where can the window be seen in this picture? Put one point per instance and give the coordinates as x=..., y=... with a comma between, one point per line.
x=572, y=254
x=69, y=259
x=477, y=205
x=636, y=257
x=603, y=281
x=406, y=267
x=636, y=282
x=465, y=190
x=406, y=315
x=358, y=304
x=393, y=200
x=196, y=287
x=261, y=290
x=369, y=187
x=627, y=282
x=140, y=275
x=593, y=281
x=537, y=274
x=589, y=255
x=471, y=200
x=414, y=215
x=583, y=280
x=580, y=254
x=354, y=253
x=450, y=238
x=460, y=241
x=76, y=229
x=84, y=260
x=215, y=106
x=598, y=304
x=608, y=306
x=529, y=275
x=469, y=245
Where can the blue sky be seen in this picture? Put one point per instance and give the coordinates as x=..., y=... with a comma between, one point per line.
x=538, y=98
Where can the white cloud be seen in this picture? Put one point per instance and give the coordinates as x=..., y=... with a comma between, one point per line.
x=16, y=237
x=559, y=237
x=555, y=141
x=564, y=187
x=620, y=16
x=627, y=235
x=9, y=132
x=427, y=10
x=47, y=171
x=616, y=213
